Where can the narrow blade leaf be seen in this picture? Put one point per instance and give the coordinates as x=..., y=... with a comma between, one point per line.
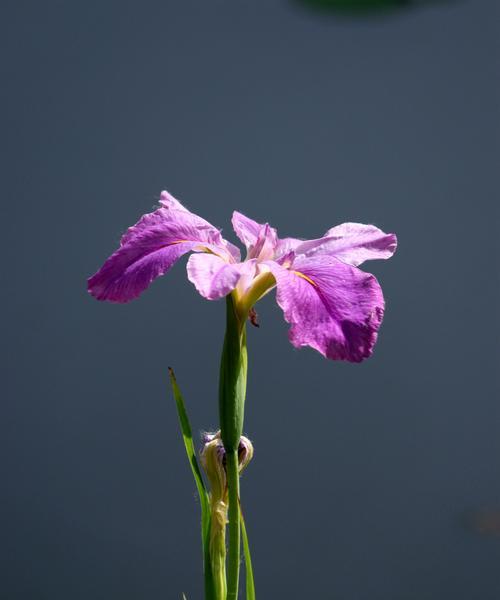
x=250, y=585
x=200, y=485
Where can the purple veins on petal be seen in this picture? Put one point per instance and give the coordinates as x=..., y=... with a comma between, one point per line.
x=213, y=277
x=353, y=243
x=331, y=306
x=130, y=270
x=151, y=247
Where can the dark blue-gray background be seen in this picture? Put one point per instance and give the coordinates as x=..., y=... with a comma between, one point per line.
x=366, y=478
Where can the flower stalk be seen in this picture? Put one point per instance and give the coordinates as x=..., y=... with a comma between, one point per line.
x=232, y=391
x=233, y=558
x=233, y=377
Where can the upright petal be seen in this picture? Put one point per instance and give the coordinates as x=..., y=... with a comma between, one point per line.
x=150, y=248
x=333, y=307
x=246, y=229
x=213, y=277
x=265, y=246
x=353, y=243
x=260, y=239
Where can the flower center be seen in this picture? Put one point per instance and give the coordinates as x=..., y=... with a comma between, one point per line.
x=260, y=286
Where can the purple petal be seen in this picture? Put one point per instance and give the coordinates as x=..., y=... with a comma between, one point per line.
x=353, y=243
x=171, y=204
x=168, y=201
x=260, y=239
x=150, y=248
x=246, y=229
x=333, y=307
x=213, y=277
x=286, y=245
x=265, y=246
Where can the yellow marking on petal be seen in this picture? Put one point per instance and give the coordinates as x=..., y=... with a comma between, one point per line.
x=207, y=250
x=200, y=248
x=299, y=274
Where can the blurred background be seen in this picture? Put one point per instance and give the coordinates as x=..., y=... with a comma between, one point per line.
x=305, y=114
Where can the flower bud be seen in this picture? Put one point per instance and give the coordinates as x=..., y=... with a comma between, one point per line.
x=245, y=453
x=213, y=459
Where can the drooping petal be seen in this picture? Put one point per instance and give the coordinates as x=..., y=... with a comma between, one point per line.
x=150, y=248
x=353, y=243
x=333, y=307
x=213, y=277
x=260, y=239
x=168, y=201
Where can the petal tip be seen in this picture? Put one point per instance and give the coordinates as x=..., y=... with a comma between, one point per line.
x=393, y=244
x=166, y=199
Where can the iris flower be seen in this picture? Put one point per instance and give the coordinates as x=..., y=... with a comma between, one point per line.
x=331, y=305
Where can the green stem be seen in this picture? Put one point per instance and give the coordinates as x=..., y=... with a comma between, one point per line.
x=232, y=391
x=233, y=378
x=233, y=482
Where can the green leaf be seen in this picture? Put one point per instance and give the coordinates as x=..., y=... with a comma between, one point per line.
x=250, y=585
x=200, y=485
